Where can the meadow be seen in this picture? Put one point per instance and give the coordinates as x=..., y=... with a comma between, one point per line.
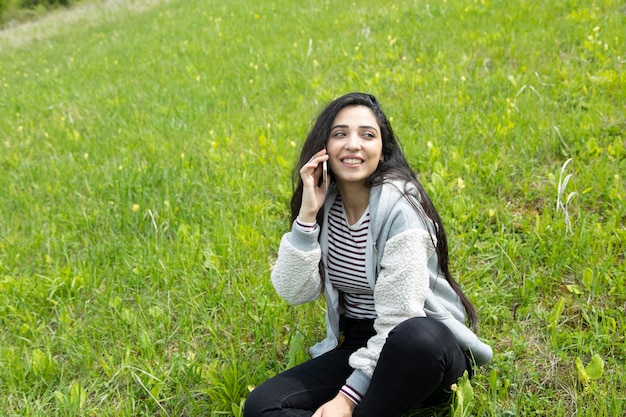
x=146, y=149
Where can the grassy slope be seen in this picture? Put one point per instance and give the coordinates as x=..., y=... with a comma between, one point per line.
x=145, y=159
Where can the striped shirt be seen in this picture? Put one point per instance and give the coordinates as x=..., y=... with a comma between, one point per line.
x=346, y=268
x=346, y=262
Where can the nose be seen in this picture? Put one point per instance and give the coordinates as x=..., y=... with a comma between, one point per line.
x=353, y=142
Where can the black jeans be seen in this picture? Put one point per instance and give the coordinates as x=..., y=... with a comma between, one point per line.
x=417, y=365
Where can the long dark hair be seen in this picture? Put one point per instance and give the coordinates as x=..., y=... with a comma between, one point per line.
x=394, y=166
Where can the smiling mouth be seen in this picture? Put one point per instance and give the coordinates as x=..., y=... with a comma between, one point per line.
x=352, y=161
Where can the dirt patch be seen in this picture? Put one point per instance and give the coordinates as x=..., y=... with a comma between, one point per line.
x=62, y=20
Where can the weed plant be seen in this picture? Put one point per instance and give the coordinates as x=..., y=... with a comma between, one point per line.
x=146, y=150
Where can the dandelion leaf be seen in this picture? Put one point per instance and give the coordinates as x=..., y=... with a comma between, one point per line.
x=581, y=372
x=595, y=368
x=297, y=350
x=463, y=397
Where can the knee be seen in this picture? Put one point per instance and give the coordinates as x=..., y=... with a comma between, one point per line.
x=421, y=335
x=254, y=405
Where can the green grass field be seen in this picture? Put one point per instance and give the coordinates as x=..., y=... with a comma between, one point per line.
x=146, y=150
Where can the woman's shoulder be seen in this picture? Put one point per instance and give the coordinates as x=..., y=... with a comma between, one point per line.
x=400, y=187
x=396, y=204
x=397, y=194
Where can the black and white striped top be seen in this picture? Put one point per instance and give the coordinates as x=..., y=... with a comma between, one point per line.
x=346, y=262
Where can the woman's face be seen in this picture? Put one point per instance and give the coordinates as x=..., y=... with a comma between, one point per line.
x=355, y=145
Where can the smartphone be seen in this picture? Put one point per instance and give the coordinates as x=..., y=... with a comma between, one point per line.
x=325, y=175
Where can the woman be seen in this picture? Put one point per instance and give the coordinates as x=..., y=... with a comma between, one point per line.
x=375, y=247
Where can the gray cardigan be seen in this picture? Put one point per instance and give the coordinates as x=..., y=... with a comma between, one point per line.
x=401, y=267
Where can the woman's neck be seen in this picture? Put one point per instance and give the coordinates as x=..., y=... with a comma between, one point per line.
x=355, y=201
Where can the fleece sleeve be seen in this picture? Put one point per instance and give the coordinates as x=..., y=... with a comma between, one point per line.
x=295, y=275
x=399, y=294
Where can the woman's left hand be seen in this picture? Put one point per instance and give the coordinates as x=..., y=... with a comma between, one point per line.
x=340, y=406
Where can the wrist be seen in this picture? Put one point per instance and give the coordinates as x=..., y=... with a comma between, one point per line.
x=349, y=403
x=307, y=218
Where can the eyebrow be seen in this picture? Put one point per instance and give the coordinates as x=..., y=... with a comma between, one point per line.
x=360, y=127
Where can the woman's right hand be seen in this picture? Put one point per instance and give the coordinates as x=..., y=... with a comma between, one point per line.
x=313, y=195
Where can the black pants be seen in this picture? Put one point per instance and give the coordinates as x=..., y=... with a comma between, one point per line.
x=419, y=362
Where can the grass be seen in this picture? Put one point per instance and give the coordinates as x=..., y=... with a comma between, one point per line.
x=145, y=156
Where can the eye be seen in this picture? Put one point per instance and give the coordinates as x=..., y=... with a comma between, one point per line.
x=369, y=135
x=338, y=134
